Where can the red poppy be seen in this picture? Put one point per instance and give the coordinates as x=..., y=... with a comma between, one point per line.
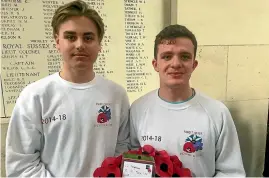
x=162, y=153
x=176, y=162
x=107, y=172
x=149, y=150
x=163, y=164
x=182, y=172
x=118, y=160
x=102, y=118
x=99, y=172
x=188, y=147
x=139, y=151
x=110, y=162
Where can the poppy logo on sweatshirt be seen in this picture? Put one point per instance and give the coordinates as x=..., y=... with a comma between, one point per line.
x=104, y=114
x=193, y=143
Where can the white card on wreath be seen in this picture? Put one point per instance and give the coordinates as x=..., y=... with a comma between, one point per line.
x=134, y=169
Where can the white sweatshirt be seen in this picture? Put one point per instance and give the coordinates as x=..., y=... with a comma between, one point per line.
x=200, y=131
x=62, y=129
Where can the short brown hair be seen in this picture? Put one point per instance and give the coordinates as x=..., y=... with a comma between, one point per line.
x=172, y=32
x=77, y=8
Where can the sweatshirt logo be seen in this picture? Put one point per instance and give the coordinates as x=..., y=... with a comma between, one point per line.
x=193, y=143
x=104, y=114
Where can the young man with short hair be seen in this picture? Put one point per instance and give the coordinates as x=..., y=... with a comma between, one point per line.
x=182, y=120
x=66, y=124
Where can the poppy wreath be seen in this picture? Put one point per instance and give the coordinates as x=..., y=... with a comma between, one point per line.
x=165, y=165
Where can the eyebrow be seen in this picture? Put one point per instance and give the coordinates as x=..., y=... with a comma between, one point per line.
x=73, y=33
x=166, y=52
x=186, y=52
x=170, y=52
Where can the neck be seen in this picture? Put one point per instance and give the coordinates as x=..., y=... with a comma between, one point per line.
x=177, y=94
x=76, y=76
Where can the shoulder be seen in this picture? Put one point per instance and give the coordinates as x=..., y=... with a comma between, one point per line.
x=108, y=85
x=39, y=87
x=145, y=101
x=29, y=101
x=210, y=104
x=216, y=110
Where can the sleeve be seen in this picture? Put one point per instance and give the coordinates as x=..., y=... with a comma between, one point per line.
x=228, y=154
x=123, y=142
x=23, y=141
x=134, y=142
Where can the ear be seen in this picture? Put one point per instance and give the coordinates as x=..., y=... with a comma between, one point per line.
x=56, y=37
x=195, y=64
x=155, y=65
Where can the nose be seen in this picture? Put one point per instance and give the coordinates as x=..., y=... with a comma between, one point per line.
x=176, y=62
x=80, y=43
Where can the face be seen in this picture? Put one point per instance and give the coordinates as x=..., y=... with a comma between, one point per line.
x=78, y=43
x=175, y=62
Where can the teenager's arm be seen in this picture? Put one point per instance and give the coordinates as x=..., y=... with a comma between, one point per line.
x=123, y=142
x=133, y=129
x=23, y=141
x=228, y=154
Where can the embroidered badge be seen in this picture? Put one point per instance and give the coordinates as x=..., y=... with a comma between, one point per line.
x=193, y=143
x=104, y=114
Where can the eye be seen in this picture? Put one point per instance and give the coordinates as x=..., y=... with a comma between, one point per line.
x=185, y=57
x=70, y=37
x=166, y=57
x=88, y=38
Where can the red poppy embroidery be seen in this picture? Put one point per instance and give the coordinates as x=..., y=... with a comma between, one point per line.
x=102, y=118
x=188, y=147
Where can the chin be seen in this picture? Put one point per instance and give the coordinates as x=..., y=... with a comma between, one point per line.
x=83, y=66
x=175, y=84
